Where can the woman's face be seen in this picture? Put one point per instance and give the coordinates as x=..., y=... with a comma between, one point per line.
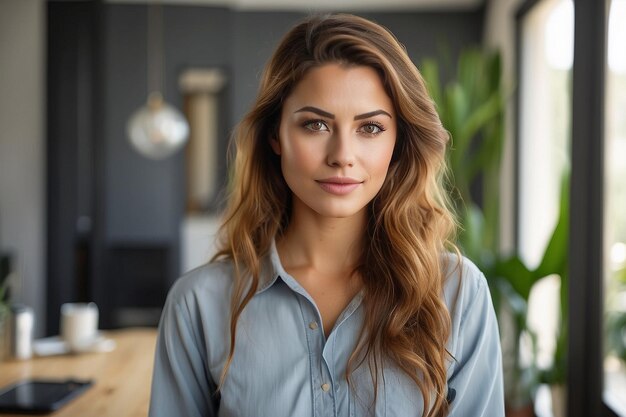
x=336, y=137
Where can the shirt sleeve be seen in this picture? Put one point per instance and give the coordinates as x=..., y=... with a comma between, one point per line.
x=477, y=374
x=181, y=383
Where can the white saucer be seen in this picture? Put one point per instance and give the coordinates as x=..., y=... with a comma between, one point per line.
x=54, y=345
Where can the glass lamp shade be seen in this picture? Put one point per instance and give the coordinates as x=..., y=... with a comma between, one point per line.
x=157, y=130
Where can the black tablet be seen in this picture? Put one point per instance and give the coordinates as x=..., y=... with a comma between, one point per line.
x=39, y=396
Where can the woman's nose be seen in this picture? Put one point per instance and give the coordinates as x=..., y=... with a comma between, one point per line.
x=340, y=150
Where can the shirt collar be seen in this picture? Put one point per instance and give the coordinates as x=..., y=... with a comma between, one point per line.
x=271, y=269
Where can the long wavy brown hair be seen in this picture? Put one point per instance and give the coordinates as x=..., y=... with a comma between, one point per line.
x=410, y=227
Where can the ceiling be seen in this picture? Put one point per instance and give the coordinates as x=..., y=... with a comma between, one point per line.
x=330, y=5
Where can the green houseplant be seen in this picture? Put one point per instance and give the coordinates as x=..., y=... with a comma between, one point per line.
x=4, y=302
x=471, y=107
x=616, y=319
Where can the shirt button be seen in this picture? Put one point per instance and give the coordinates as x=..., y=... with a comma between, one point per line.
x=312, y=325
x=325, y=387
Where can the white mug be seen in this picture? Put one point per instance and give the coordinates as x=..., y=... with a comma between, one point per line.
x=79, y=325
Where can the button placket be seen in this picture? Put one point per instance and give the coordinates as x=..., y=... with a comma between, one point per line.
x=322, y=404
x=327, y=380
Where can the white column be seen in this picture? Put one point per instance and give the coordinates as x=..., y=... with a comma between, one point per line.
x=202, y=86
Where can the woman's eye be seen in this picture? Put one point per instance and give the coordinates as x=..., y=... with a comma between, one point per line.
x=372, y=129
x=316, y=126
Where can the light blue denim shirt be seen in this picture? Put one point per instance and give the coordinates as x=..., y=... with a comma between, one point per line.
x=283, y=364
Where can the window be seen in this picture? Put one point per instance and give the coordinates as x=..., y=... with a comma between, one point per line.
x=546, y=58
x=615, y=212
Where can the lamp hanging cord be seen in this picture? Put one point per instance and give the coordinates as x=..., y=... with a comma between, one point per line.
x=156, y=59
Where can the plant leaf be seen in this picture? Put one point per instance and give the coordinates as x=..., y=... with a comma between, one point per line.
x=516, y=272
x=554, y=259
x=430, y=73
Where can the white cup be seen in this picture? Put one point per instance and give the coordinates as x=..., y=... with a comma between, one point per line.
x=79, y=325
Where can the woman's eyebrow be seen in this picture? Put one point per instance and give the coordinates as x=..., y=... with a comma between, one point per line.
x=317, y=111
x=371, y=114
x=332, y=116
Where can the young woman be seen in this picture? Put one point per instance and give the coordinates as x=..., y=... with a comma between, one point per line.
x=335, y=292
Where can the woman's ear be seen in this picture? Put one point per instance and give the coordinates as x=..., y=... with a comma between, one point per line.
x=275, y=144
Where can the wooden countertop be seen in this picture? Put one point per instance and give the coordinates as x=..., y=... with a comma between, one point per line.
x=121, y=378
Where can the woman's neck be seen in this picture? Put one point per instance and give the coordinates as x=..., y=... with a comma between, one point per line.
x=322, y=243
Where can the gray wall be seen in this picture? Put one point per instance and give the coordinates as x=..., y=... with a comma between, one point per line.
x=22, y=147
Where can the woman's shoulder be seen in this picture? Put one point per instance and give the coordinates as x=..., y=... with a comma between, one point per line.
x=457, y=267
x=212, y=280
x=464, y=282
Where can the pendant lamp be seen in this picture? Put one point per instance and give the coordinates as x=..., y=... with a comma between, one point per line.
x=157, y=129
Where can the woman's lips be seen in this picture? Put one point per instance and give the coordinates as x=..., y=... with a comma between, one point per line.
x=339, y=185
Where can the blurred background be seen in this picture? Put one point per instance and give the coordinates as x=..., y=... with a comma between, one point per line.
x=97, y=205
